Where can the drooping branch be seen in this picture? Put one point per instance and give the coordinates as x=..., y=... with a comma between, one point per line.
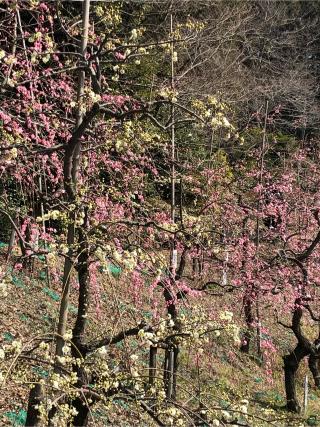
x=308, y=251
x=90, y=347
x=312, y=315
x=147, y=409
x=23, y=243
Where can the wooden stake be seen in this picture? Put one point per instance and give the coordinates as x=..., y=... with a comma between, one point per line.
x=305, y=395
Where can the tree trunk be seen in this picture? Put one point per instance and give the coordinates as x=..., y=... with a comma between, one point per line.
x=64, y=305
x=175, y=371
x=79, y=403
x=83, y=299
x=152, y=364
x=35, y=397
x=27, y=261
x=81, y=419
x=314, y=361
x=169, y=354
x=249, y=318
x=168, y=372
x=71, y=167
x=291, y=365
x=259, y=349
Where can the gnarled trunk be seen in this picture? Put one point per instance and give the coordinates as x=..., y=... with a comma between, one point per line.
x=291, y=365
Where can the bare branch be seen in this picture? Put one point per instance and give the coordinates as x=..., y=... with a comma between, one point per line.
x=88, y=348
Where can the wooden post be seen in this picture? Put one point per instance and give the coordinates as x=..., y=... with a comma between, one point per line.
x=305, y=395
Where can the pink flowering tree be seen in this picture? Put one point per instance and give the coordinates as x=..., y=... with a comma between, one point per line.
x=85, y=141
x=155, y=217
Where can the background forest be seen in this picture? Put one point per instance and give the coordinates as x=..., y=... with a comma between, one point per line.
x=160, y=213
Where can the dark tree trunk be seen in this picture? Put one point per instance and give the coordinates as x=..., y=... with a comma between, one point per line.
x=182, y=264
x=170, y=367
x=175, y=371
x=82, y=417
x=291, y=365
x=27, y=261
x=83, y=299
x=35, y=398
x=152, y=364
x=194, y=266
x=314, y=361
x=168, y=372
x=249, y=318
x=169, y=354
x=171, y=364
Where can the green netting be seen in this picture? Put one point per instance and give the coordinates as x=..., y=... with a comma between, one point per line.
x=42, y=275
x=8, y=336
x=53, y=295
x=17, y=418
x=115, y=270
x=224, y=404
x=147, y=314
x=40, y=371
x=73, y=309
x=17, y=281
x=121, y=403
x=313, y=420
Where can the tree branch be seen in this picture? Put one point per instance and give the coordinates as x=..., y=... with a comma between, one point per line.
x=88, y=348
